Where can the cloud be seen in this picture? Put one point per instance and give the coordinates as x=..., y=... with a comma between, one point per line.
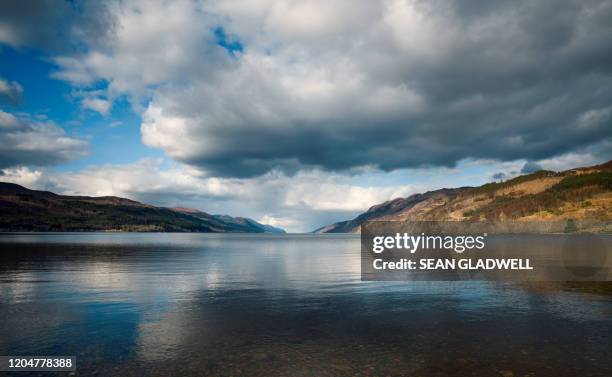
x=151, y=43
x=99, y=105
x=595, y=154
x=18, y=17
x=53, y=25
x=25, y=141
x=530, y=167
x=595, y=118
x=10, y=92
x=279, y=222
x=22, y=176
x=330, y=192
x=395, y=84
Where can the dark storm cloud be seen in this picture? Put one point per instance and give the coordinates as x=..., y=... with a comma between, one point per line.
x=55, y=25
x=491, y=80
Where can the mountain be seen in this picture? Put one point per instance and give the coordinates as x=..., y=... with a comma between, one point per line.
x=243, y=224
x=22, y=209
x=581, y=193
x=250, y=223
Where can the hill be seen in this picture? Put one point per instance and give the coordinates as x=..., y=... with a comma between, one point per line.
x=581, y=193
x=22, y=209
x=250, y=223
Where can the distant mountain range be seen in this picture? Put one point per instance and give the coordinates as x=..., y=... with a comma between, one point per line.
x=22, y=209
x=580, y=194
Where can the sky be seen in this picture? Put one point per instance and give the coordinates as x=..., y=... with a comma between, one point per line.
x=298, y=113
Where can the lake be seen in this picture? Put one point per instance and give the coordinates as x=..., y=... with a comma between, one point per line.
x=133, y=304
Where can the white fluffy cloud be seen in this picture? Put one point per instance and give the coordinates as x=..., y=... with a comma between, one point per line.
x=10, y=91
x=152, y=43
x=25, y=141
x=99, y=105
x=23, y=176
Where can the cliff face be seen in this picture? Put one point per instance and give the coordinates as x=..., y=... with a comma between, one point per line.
x=22, y=209
x=582, y=193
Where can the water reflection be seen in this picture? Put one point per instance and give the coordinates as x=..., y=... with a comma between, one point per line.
x=278, y=305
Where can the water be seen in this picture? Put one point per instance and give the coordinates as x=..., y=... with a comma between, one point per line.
x=290, y=305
